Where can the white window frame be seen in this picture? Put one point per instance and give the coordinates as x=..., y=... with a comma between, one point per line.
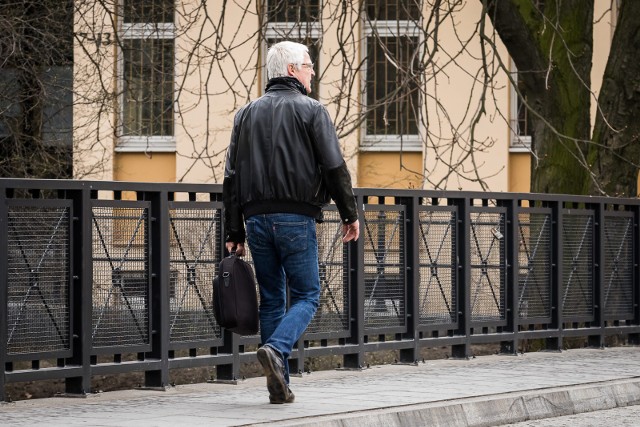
x=517, y=143
x=141, y=143
x=376, y=142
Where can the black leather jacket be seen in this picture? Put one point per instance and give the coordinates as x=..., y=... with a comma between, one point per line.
x=284, y=157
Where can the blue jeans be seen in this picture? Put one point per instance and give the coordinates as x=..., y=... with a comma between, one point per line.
x=284, y=249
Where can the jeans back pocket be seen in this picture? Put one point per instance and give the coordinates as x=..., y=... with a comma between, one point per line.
x=291, y=236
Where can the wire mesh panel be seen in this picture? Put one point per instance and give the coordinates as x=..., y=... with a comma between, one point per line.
x=120, y=274
x=384, y=267
x=487, y=262
x=534, y=261
x=577, y=265
x=333, y=311
x=436, y=251
x=195, y=252
x=38, y=272
x=618, y=267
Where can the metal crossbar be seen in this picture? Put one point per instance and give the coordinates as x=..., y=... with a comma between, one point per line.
x=323, y=277
x=116, y=272
x=34, y=283
x=614, y=277
x=433, y=263
x=575, y=259
x=330, y=270
x=484, y=263
x=380, y=257
x=531, y=256
x=191, y=272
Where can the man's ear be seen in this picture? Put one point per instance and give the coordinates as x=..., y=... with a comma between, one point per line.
x=290, y=69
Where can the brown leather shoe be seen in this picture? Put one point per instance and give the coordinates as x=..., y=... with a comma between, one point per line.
x=273, y=367
x=291, y=398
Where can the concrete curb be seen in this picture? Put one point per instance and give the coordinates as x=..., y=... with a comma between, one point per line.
x=489, y=410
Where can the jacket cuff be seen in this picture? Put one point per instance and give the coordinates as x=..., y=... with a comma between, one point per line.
x=236, y=237
x=338, y=182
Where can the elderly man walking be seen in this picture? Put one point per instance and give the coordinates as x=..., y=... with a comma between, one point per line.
x=283, y=165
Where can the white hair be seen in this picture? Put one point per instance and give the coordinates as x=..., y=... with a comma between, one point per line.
x=282, y=54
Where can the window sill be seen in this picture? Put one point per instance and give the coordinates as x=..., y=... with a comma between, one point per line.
x=386, y=143
x=520, y=144
x=151, y=144
x=519, y=149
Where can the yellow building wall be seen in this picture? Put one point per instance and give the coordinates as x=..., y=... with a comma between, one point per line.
x=389, y=170
x=153, y=167
x=453, y=101
x=212, y=89
x=94, y=103
x=604, y=14
x=519, y=172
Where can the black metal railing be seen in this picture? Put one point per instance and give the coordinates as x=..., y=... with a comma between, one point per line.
x=102, y=278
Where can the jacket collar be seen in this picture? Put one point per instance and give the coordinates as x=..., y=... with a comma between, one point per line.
x=287, y=82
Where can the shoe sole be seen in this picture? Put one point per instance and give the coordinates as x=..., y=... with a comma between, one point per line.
x=290, y=399
x=278, y=392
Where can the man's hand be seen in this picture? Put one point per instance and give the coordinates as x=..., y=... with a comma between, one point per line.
x=238, y=247
x=350, y=231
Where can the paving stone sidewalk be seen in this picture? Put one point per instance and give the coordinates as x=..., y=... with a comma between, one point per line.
x=487, y=390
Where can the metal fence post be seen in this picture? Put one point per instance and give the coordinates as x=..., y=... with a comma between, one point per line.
x=82, y=300
x=229, y=372
x=412, y=260
x=512, y=289
x=597, y=340
x=634, y=338
x=355, y=267
x=159, y=299
x=463, y=245
x=554, y=342
x=3, y=289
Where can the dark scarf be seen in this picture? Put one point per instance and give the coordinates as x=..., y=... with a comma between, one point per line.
x=290, y=82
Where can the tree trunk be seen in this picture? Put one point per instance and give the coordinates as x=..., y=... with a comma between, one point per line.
x=615, y=153
x=551, y=45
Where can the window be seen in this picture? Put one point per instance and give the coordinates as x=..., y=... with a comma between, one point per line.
x=36, y=89
x=392, y=92
x=293, y=11
x=147, y=76
x=520, y=123
x=297, y=21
